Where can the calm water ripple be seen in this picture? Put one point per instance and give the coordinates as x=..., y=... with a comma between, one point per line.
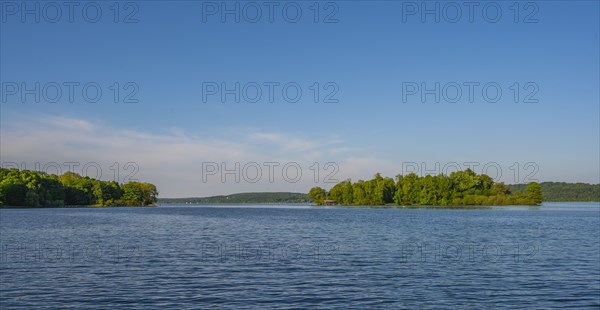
x=300, y=257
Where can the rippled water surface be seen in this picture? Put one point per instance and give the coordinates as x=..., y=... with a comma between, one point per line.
x=301, y=257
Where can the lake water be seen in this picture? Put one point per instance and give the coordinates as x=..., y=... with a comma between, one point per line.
x=301, y=257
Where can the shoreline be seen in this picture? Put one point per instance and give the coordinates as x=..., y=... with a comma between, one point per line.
x=77, y=207
x=437, y=207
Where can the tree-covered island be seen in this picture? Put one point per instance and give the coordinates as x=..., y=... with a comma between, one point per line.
x=461, y=188
x=26, y=188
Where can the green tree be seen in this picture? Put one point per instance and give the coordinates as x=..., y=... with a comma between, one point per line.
x=534, y=192
x=411, y=191
x=13, y=194
x=500, y=189
x=398, y=195
x=464, y=183
x=32, y=199
x=337, y=192
x=444, y=190
x=342, y=193
x=360, y=195
x=389, y=190
x=428, y=192
x=374, y=190
x=140, y=194
x=347, y=193
x=317, y=194
x=51, y=192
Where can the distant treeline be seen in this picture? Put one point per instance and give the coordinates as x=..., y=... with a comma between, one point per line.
x=561, y=191
x=25, y=188
x=459, y=188
x=243, y=198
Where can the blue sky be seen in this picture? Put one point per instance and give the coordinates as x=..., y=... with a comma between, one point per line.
x=369, y=54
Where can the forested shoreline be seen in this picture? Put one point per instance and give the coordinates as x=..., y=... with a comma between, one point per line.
x=461, y=188
x=562, y=191
x=25, y=188
x=35, y=189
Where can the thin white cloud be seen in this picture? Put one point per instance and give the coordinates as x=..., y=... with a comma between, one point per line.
x=68, y=123
x=173, y=159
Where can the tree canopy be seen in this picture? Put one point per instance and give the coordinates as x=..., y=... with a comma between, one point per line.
x=459, y=188
x=317, y=194
x=25, y=188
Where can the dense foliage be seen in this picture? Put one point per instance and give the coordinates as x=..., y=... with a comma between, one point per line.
x=560, y=191
x=243, y=198
x=459, y=188
x=27, y=188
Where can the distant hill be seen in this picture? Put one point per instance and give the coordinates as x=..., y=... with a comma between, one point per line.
x=561, y=191
x=266, y=197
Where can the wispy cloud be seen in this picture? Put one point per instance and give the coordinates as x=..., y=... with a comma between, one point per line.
x=173, y=159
